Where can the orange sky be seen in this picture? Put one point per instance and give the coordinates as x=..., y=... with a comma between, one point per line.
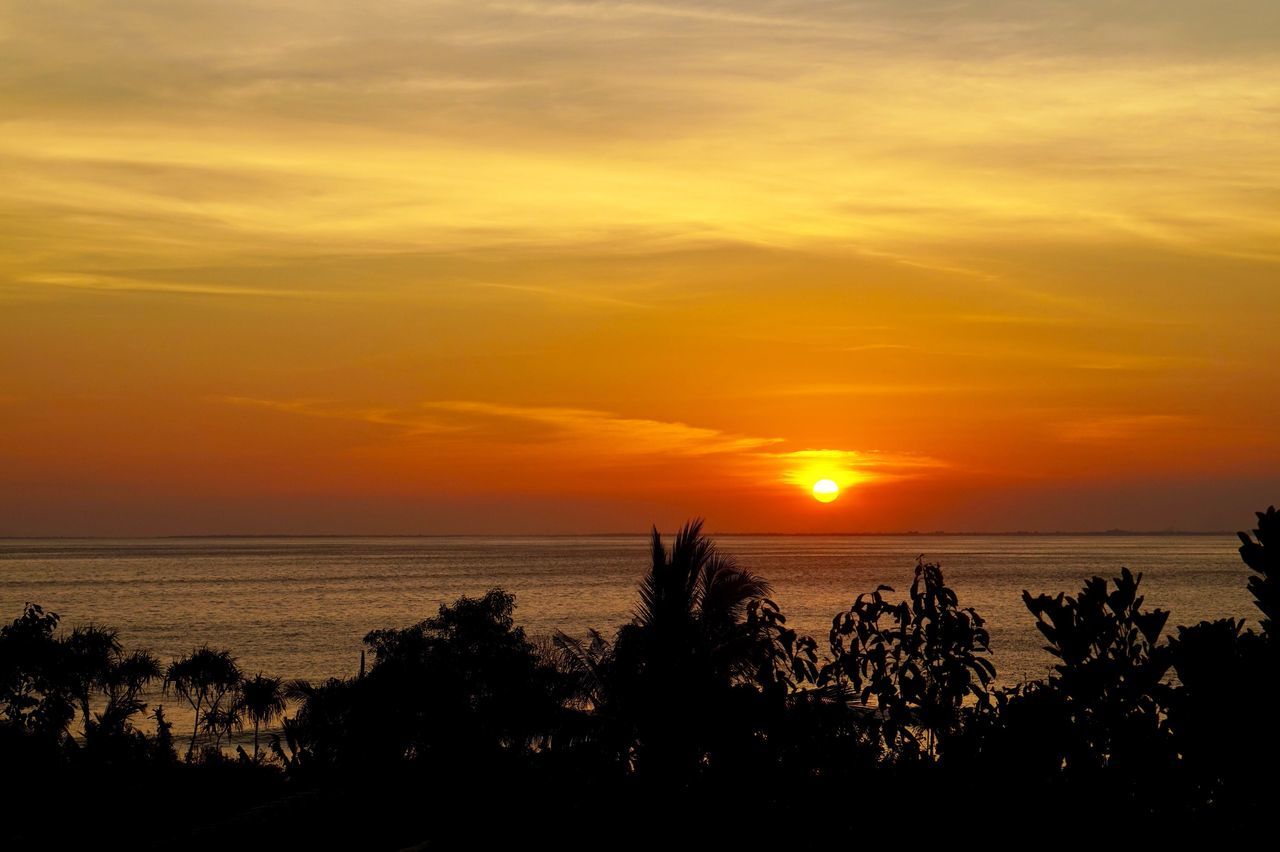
x=583, y=266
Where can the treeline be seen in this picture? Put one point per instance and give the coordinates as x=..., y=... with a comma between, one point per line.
x=706, y=718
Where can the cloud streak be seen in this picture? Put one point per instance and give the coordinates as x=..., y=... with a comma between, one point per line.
x=124, y=284
x=1121, y=427
x=582, y=430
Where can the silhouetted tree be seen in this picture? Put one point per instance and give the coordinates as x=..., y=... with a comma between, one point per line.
x=707, y=706
x=1227, y=687
x=1107, y=692
x=918, y=659
x=221, y=720
x=37, y=695
x=321, y=735
x=262, y=700
x=126, y=678
x=704, y=636
x=1262, y=553
x=91, y=653
x=693, y=604
x=98, y=666
x=463, y=689
x=208, y=680
x=162, y=750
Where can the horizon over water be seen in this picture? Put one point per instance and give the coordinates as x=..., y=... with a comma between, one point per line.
x=299, y=607
x=1117, y=531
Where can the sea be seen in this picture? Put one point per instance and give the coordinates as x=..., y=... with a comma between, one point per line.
x=299, y=607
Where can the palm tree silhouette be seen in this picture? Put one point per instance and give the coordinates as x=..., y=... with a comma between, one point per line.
x=91, y=654
x=262, y=699
x=691, y=640
x=97, y=664
x=123, y=682
x=693, y=601
x=205, y=678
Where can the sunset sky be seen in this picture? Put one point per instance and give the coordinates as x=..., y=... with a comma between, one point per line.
x=330, y=266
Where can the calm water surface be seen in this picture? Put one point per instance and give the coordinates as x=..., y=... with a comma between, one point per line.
x=298, y=607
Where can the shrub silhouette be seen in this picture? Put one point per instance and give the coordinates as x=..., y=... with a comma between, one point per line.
x=37, y=692
x=1262, y=554
x=463, y=688
x=918, y=660
x=1104, y=706
x=1226, y=687
x=705, y=707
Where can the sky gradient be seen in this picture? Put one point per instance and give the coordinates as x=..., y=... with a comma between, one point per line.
x=400, y=267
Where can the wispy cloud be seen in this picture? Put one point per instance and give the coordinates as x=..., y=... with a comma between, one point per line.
x=1120, y=427
x=407, y=422
x=862, y=389
x=604, y=439
x=619, y=10
x=610, y=433
x=1121, y=362
x=873, y=347
x=584, y=430
x=564, y=294
x=124, y=284
x=848, y=467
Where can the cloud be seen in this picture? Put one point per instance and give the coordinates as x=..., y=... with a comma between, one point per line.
x=582, y=430
x=1121, y=362
x=564, y=294
x=404, y=422
x=614, y=12
x=124, y=284
x=873, y=347
x=564, y=437
x=848, y=467
x=863, y=389
x=1120, y=427
x=608, y=433
x=789, y=124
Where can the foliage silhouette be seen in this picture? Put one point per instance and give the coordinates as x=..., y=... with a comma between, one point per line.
x=1096, y=728
x=1261, y=552
x=1111, y=676
x=677, y=686
x=918, y=659
x=262, y=700
x=209, y=681
x=464, y=687
x=36, y=686
x=705, y=710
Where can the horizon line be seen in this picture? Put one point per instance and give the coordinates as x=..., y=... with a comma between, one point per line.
x=738, y=534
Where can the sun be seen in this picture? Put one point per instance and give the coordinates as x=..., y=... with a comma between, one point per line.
x=825, y=490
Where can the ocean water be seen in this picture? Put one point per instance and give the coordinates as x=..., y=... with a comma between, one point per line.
x=299, y=607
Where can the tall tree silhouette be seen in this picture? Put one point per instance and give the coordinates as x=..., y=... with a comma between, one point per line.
x=122, y=684
x=262, y=699
x=97, y=665
x=693, y=603
x=208, y=680
x=689, y=643
x=91, y=654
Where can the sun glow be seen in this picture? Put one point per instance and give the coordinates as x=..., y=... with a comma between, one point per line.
x=825, y=490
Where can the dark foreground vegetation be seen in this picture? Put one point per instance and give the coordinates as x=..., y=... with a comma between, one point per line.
x=705, y=721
